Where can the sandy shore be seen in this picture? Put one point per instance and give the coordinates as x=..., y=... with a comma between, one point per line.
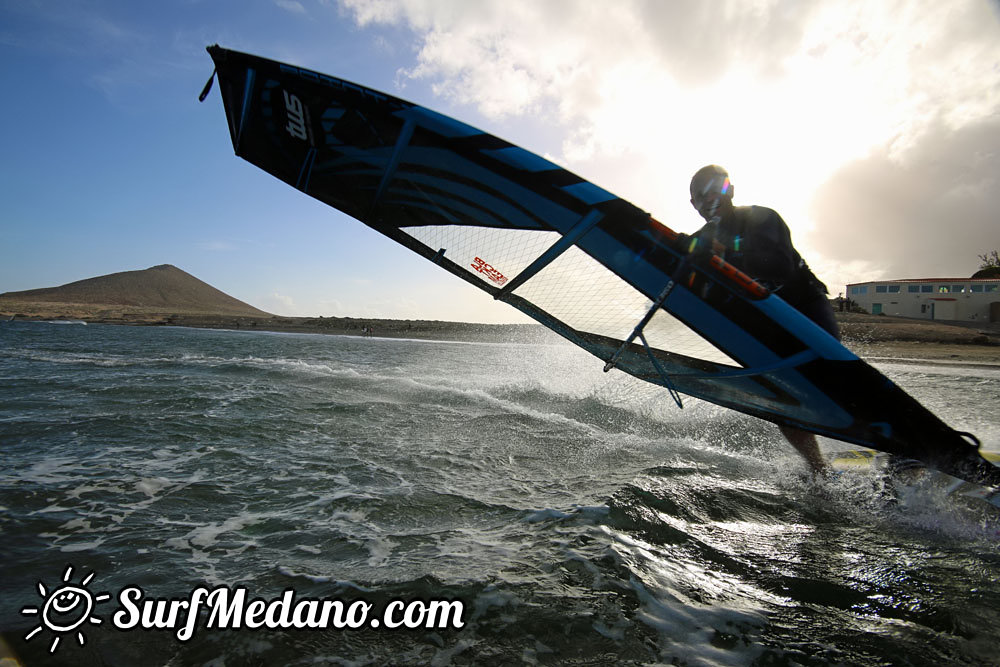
x=877, y=337
x=951, y=354
x=868, y=336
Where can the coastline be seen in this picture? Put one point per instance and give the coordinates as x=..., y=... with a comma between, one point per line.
x=872, y=337
x=880, y=338
x=349, y=326
x=944, y=354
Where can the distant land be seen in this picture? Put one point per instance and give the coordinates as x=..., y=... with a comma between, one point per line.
x=166, y=295
x=162, y=288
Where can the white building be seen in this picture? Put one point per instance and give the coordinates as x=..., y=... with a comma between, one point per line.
x=930, y=298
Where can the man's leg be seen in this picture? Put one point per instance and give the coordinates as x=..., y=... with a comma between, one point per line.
x=821, y=312
x=805, y=443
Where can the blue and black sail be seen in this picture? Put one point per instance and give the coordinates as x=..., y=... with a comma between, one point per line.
x=571, y=255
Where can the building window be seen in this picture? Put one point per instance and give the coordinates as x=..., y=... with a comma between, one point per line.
x=927, y=288
x=913, y=289
x=876, y=309
x=958, y=289
x=893, y=289
x=976, y=288
x=990, y=288
x=942, y=289
x=881, y=289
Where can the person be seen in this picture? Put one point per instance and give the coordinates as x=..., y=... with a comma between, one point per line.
x=756, y=240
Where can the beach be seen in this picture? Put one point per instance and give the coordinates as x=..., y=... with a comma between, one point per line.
x=876, y=337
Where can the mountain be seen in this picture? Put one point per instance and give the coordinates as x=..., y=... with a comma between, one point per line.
x=162, y=288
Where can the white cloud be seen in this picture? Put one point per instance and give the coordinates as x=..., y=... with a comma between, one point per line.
x=929, y=215
x=281, y=304
x=781, y=92
x=291, y=6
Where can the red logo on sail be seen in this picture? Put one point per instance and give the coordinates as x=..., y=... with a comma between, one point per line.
x=488, y=271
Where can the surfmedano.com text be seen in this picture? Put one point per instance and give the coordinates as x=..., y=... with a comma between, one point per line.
x=230, y=608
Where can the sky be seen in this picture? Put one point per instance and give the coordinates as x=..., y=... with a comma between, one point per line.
x=872, y=128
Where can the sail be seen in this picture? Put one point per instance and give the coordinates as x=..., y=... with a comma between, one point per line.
x=585, y=263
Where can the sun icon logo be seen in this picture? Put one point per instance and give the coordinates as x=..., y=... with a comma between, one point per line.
x=66, y=609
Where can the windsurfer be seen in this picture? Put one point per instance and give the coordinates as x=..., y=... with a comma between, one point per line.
x=756, y=240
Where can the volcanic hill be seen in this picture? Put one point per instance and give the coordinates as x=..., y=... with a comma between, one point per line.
x=163, y=288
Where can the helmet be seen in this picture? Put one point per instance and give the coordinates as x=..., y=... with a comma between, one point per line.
x=709, y=186
x=710, y=180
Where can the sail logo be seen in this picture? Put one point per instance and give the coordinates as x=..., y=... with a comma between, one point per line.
x=296, y=116
x=482, y=267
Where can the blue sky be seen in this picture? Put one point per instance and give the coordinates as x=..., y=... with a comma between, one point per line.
x=872, y=129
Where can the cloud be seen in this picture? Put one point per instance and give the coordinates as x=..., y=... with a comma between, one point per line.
x=790, y=96
x=280, y=304
x=291, y=6
x=506, y=57
x=927, y=213
x=699, y=42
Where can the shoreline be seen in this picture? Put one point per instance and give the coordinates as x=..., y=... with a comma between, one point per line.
x=343, y=326
x=874, y=338
x=928, y=354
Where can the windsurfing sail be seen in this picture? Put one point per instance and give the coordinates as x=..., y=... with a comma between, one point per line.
x=576, y=258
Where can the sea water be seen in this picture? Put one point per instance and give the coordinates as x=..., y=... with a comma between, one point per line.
x=577, y=517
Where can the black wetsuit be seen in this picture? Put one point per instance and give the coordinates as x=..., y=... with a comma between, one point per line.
x=756, y=241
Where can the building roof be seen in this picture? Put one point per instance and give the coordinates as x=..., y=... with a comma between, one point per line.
x=930, y=280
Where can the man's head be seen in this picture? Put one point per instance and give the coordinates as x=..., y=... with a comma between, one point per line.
x=712, y=193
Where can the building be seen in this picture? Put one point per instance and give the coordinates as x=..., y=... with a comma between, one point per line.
x=930, y=298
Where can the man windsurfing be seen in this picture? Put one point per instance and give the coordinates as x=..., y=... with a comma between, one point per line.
x=756, y=241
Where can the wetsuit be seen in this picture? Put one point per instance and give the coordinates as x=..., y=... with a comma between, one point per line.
x=756, y=241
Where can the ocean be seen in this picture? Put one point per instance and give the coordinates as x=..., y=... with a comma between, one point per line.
x=509, y=504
